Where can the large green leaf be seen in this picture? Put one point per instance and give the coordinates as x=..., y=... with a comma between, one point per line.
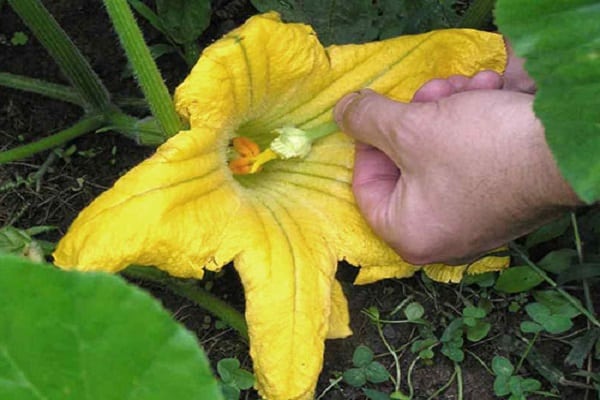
x=184, y=20
x=89, y=336
x=561, y=41
x=358, y=21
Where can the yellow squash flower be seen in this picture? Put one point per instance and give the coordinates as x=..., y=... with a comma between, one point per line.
x=248, y=183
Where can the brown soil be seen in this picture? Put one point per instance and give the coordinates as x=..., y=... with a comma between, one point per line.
x=69, y=183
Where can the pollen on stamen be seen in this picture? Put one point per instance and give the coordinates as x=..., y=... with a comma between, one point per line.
x=247, y=157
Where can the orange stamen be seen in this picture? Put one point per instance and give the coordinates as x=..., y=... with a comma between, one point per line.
x=245, y=147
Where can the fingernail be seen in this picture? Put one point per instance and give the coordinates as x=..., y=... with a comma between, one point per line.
x=342, y=105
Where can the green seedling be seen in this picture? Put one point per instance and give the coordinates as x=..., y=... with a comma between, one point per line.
x=506, y=383
x=233, y=378
x=424, y=348
x=19, y=39
x=544, y=319
x=21, y=242
x=472, y=323
x=365, y=369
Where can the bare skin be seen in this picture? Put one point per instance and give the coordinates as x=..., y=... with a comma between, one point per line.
x=462, y=169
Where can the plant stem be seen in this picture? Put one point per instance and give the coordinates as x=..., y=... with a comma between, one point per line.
x=586, y=284
x=145, y=68
x=195, y=293
x=526, y=352
x=411, y=367
x=586, y=290
x=70, y=60
x=459, y=381
x=394, y=356
x=331, y=386
x=85, y=125
x=549, y=280
x=53, y=90
x=478, y=15
x=442, y=389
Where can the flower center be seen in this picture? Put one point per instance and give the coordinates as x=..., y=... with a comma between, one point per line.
x=291, y=143
x=248, y=158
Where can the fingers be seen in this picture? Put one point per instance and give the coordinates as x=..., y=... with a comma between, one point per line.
x=436, y=89
x=375, y=179
x=516, y=77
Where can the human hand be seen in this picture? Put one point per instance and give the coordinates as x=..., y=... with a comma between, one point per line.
x=461, y=170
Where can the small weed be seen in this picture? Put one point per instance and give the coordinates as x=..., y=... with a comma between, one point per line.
x=365, y=369
x=22, y=242
x=233, y=378
x=506, y=383
x=19, y=39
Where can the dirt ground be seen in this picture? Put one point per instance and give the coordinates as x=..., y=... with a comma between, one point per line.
x=69, y=182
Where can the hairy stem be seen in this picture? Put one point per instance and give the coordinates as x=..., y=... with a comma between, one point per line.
x=144, y=67
x=195, y=293
x=84, y=126
x=70, y=60
x=53, y=90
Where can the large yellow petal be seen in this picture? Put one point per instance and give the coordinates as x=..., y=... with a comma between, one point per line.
x=438, y=272
x=170, y=211
x=288, y=274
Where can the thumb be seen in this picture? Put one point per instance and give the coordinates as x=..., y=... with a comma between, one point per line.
x=372, y=119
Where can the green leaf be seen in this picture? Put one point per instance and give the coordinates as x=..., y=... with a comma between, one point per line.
x=453, y=330
x=514, y=383
x=581, y=347
x=566, y=69
x=226, y=368
x=396, y=17
x=376, y=373
x=556, y=324
x=184, y=20
x=485, y=280
x=579, y=272
x=453, y=353
x=556, y=303
x=501, y=385
x=538, y=312
x=244, y=379
x=530, y=385
x=399, y=396
x=479, y=331
x=335, y=22
x=530, y=327
x=502, y=366
x=558, y=260
x=355, y=377
x=362, y=356
x=419, y=345
x=549, y=231
x=230, y=392
x=426, y=354
x=414, y=311
x=72, y=335
x=375, y=394
x=358, y=21
x=19, y=39
x=474, y=312
x=518, y=279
